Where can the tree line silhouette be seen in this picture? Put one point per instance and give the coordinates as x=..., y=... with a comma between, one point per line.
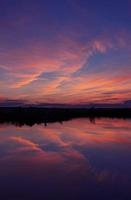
x=33, y=115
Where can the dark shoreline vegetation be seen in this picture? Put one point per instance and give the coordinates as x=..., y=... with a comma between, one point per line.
x=29, y=116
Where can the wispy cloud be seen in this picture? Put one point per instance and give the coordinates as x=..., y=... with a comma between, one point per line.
x=74, y=58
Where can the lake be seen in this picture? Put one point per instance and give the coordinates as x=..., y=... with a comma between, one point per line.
x=74, y=160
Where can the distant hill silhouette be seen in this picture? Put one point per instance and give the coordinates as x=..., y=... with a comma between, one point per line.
x=23, y=103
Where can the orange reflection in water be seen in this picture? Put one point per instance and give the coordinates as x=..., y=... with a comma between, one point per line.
x=63, y=139
x=59, y=144
x=68, y=154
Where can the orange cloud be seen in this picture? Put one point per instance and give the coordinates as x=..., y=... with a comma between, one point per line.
x=22, y=74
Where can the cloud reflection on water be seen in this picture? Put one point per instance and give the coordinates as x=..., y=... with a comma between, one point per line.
x=78, y=152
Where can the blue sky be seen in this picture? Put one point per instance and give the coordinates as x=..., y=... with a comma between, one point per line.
x=65, y=51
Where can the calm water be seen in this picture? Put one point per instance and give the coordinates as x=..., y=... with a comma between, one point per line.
x=74, y=160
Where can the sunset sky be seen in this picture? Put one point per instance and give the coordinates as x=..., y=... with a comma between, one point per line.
x=65, y=51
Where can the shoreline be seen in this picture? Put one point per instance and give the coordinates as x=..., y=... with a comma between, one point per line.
x=33, y=115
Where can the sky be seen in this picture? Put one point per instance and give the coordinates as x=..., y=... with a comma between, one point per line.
x=65, y=51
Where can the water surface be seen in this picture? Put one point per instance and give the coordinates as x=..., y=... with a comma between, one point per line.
x=75, y=160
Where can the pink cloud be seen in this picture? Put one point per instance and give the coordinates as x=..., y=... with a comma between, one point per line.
x=23, y=68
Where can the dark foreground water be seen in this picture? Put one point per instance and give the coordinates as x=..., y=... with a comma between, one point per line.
x=76, y=160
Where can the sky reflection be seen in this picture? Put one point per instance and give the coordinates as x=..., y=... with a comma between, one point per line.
x=66, y=161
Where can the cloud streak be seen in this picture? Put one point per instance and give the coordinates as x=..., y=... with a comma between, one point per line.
x=64, y=61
